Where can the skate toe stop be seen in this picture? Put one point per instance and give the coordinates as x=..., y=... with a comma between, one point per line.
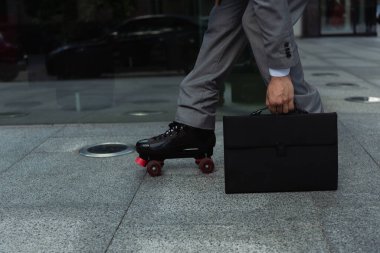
x=140, y=161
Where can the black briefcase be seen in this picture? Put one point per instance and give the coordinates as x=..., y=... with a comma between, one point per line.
x=276, y=153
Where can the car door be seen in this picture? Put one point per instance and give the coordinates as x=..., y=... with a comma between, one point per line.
x=184, y=44
x=140, y=43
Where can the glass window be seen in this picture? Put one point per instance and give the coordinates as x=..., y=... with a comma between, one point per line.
x=336, y=16
x=146, y=26
x=107, y=61
x=348, y=17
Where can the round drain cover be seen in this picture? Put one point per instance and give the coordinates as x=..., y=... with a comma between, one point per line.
x=144, y=113
x=365, y=100
x=13, y=114
x=337, y=84
x=106, y=150
x=325, y=74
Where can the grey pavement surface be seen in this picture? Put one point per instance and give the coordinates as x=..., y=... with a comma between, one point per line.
x=54, y=200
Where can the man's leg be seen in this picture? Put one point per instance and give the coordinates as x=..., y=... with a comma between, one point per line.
x=192, y=133
x=223, y=42
x=306, y=96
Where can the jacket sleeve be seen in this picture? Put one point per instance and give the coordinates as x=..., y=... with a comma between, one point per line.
x=275, y=21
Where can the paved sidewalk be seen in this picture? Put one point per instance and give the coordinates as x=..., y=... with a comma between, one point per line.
x=54, y=200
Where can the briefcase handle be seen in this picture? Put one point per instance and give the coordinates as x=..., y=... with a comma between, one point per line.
x=295, y=111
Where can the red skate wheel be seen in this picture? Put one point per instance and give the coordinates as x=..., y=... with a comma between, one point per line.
x=140, y=161
x=154, y=168
x=206, y=165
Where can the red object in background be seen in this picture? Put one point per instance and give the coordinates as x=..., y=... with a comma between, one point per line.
x=8, y=53
x=12, y=60
x=337, y=15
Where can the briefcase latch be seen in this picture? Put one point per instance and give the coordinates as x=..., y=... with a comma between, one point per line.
x=280, y=149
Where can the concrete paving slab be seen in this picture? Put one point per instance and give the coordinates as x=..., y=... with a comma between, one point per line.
x=52, y=229
x=358, y=173
x=284, y=237
x=354, y=229
x=201, y=200
x=12, y=136
x=8, y=159
x=16, y=142
x=64, y=180
x=192, y=213
x=340, y=199
x=350, y=216
x=365, y=128
x=375, y=81
x=371, y=143
x=361, y=124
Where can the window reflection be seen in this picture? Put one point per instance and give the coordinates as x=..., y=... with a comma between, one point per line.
x=348, y=16
x=336, y=16
x=139, y=44
x=94, y=61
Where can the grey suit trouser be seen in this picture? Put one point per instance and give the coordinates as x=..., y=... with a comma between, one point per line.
x=231, y=26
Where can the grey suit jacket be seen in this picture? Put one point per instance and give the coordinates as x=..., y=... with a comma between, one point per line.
x=276, y=19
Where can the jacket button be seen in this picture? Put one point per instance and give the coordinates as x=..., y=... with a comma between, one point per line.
x=286, y=44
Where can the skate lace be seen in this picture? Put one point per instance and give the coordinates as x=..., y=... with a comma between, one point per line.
x=173, y=128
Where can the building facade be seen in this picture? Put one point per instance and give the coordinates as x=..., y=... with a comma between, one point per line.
x=321, y=18
x=340, y=18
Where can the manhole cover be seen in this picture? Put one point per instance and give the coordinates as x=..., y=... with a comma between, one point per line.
x=144, y=113
x=23, y=104
x=106, y=150
x=325, y=74
x=365, y=100
x=13, y=114
x=338, y=84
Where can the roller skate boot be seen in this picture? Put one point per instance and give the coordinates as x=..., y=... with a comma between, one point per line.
x=179, y=141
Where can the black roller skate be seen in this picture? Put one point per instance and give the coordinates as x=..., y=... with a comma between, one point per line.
x=179, y=141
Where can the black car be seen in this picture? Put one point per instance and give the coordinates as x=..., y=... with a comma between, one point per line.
x=154, y=42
